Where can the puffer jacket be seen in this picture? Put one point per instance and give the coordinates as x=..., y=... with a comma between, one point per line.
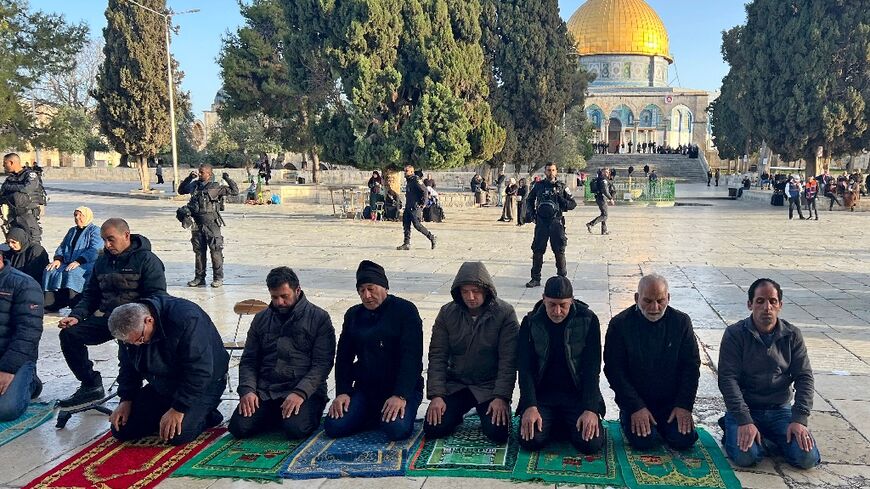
x=478, y=355
x=21, y=303
x=295, y=355
x=134, y=274
x=185, y=358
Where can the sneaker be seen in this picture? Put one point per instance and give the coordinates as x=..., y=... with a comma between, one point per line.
x=217, y=283
x=432, y=240
x=197, y=282
x=589, y=228
x=35, y=387
x=533, y=283
x=406, y=246
x=83, y=395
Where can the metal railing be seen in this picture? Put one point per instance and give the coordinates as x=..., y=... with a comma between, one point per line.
x=639, y=190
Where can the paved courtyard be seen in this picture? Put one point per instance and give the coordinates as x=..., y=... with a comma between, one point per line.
x=709, y=253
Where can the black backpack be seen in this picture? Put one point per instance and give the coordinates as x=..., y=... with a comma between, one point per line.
x=595, y=185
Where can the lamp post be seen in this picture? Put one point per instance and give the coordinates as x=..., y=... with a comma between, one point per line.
x=167, y=18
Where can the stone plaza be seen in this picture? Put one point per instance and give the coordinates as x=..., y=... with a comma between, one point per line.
x=710, y=252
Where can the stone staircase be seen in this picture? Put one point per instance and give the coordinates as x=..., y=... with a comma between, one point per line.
x=681, y=168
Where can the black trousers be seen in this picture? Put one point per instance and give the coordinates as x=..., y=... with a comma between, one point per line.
x=667, y=432
x=811, y=206
x=207, y=238
x=521, y=216
x=26, y=220
x=559, y=423
x=74, y=342
x=552, y=230
x=58, y=299
x=159, y=178
x=268, y=418
x=602, y=217
x=794, y=204
x=149, y=406
x=457, y=405
x=413, y=215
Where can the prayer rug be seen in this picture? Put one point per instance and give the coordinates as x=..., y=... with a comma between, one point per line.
x=366, y=454
x=261, y=457
x=466, y=453
x=108, y=463
x=703, y=466
x=36, y=414
x=560, y=462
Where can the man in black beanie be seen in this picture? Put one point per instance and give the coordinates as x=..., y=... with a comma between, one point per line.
x=559, y=360
x=379, y=362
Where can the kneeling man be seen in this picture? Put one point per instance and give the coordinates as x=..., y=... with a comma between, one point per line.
x=760, y=360
x=559, y=360
x=652, y=362
x=172, y=344
x=288, y=354
x=472, y=360
x=379, y=362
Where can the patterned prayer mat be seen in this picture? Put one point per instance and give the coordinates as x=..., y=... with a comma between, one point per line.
x=36, y=414
x=466, y=453
x=109, y=464
x=703, y=466
x=367, y=454
x=261, y=457
x=561, y=462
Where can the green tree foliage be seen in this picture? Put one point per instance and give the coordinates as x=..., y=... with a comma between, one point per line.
x=131, y=94
x=73, y=130
x=32, y=44
x=731, y=115
x=535, y=76
x=239, y=140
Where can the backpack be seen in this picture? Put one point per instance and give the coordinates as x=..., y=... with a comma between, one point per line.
x=595, y=185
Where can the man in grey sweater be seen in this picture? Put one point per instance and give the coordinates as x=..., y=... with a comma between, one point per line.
x=760, y=359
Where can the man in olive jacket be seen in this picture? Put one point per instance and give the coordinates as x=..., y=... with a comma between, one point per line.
x=472, y=360
x=559, y=361
x=288, y=355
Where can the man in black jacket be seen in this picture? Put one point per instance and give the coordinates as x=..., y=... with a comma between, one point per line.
x=379, y=362
x=22, y=191
x=652, y=362
x=601, y=187
x=559, y=360
x=546, y=203
x=415, y=199
x=126, y=272
x=472, y=357
x=289, y=352
x=206, y=198
x=173, y=345
x=20, y=331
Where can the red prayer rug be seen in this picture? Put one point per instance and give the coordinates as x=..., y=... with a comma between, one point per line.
x=109, y=464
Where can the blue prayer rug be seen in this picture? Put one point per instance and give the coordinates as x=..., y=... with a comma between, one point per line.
x=36, y=414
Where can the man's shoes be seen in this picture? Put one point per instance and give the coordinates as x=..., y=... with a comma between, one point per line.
x=217, y=283
x=589, y=228
x=83, y=395
x=35, y=387
x=432, y=240
x=501, y=219
x=605, y=233
x=533, y=283
x=721, y=423
x=197, y=282
x=406, y=246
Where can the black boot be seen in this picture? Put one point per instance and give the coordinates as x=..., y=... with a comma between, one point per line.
x=404, y=246
x=561, y=265
x=537, y=265
x=86, y=393
x=35, y=387
x=197, y=282
x=432, y=240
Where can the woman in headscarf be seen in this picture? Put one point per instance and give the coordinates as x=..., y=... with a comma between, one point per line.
x=26, y=257
x=66, y=276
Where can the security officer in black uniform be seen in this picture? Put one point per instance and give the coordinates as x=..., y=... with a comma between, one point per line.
x=415, y=198
x=206, y=200
x=546, y=202
x=602, y=187
x=23, y=193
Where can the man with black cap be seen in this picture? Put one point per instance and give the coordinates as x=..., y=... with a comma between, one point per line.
x=379, y=362
x=472, y=358
x=289, y=352
x=546, y=202
x=415, y=198
x=559, y=360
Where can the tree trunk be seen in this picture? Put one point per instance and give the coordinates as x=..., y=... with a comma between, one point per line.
x=144, y=175
x=124, y=162
x=315, y=166
x=89, y=158
x=810, y=166
x=393, y=180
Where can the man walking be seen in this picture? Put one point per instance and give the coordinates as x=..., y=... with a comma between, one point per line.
x=415, y=199
x=600, y=187
x=206, y=200
x=547, y=201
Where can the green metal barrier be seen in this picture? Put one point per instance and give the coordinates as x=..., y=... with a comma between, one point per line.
x=640, y=190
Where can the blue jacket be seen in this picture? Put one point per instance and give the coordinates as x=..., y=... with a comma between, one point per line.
x=85, y=252
x=21, y=312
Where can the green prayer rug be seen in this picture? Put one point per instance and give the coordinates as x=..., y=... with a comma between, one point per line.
x=702, y=467
x=466, y=453
x=560, y=462
x=261, y=457
x=36, y=414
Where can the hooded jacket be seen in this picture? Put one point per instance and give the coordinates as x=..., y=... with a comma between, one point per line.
x=480, y=354
x=21, y=304
x=136, y=273
x=582, y=348
x=295, y=355
x=185, y=359
x=30, y=259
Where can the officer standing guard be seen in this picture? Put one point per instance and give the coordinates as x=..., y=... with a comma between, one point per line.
x=206, y=202
x=546, y=202
x=23, y=193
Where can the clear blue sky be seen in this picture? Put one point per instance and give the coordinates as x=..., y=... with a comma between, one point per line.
x=694, y=26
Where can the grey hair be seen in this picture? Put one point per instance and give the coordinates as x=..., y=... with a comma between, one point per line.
x=652, y=278
x=126, y=319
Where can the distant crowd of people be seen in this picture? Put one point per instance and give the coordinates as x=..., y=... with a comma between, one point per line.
x=602, y=147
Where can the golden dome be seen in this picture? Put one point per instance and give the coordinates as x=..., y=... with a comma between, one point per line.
x=619, y=27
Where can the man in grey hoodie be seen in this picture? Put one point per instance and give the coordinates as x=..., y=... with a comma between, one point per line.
x=472, y=358
x=760, y=359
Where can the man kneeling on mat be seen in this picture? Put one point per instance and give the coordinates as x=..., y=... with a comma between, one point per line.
x=559, y=360
x=173, y=344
